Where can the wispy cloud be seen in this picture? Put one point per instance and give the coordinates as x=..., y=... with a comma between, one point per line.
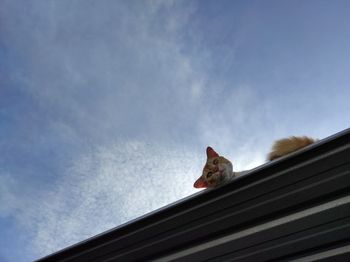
x=106, y=90
x=123, y=72
x=103, y=189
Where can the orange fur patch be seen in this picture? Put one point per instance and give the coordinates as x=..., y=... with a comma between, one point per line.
x=288, y=145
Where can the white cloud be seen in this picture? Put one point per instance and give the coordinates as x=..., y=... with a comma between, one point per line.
x=8, y=199
x=103, y=189
x=113, y=65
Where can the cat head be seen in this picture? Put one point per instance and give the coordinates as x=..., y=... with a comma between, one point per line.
x=216, y=169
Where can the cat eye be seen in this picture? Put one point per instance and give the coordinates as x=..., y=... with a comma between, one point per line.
x=216, y=161
x=209, y=174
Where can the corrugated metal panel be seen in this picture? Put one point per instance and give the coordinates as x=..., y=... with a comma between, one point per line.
x=297, y=207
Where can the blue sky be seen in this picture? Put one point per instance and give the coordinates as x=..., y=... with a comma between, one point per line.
x=106, y=107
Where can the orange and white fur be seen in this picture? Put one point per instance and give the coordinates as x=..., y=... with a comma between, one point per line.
x=218, y=170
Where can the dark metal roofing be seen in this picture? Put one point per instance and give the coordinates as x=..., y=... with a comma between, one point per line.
x=295, y=208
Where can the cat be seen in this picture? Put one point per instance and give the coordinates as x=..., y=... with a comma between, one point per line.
x=218, y=170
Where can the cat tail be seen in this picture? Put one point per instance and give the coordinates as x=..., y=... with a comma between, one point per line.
x=286, y=146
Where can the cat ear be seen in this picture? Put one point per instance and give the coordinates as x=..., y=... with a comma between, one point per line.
x=200, y=183
x=211, y=153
